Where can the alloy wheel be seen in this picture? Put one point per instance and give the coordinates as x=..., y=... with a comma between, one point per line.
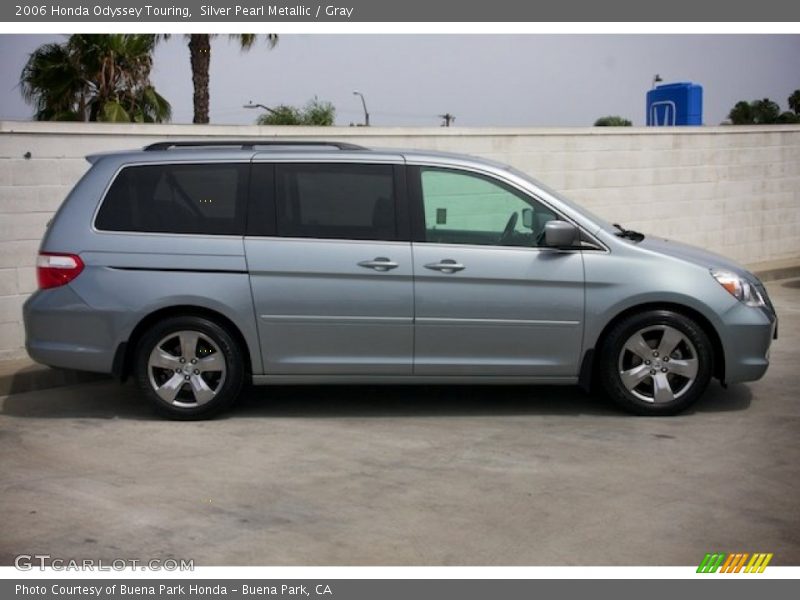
x=658, y=364
x=186, y=369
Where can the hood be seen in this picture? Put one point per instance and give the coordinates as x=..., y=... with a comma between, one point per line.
x=694, y=255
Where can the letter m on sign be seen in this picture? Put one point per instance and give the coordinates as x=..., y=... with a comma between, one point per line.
x=711, y=562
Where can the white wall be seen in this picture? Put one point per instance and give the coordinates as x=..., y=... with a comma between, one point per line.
x=734, y=190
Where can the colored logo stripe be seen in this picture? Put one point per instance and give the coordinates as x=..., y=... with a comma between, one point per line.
x=733, y=563
x=758, y=563
x=711, y=562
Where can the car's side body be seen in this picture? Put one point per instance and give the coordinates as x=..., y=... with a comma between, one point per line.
x=309, y=309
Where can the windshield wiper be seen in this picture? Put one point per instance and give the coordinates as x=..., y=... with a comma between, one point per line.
x=628, y=233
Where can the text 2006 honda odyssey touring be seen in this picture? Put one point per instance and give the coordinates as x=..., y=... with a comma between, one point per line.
x=197, y=268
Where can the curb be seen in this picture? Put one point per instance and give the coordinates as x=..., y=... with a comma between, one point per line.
x=23, y=375
x=775, y=273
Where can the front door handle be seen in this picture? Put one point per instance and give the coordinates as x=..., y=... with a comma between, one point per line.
x=447, y=265
x=379, y=263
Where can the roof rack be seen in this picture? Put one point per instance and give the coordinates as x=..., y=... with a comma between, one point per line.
x=248, y=144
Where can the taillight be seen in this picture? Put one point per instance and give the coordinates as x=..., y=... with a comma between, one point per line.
x=53, y=270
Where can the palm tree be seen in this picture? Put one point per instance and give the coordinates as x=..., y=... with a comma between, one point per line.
x=52, y=81
x=765, y=111
x=200, y=56
x=94, y=78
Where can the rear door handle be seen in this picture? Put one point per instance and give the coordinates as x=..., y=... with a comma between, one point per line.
x=379, y=263
x=447, y=265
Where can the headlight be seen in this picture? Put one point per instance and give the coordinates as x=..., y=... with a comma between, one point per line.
x=739, y=288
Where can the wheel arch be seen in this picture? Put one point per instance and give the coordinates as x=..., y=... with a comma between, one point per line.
x=125, y=352
x=589, y=366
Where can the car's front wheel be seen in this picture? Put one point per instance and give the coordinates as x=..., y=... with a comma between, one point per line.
x=189, y=367
x=656, y=362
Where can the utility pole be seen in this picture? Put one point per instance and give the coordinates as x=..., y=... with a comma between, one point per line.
x=447, y=118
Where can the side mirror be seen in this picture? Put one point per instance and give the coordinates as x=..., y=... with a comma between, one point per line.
x=560, y=234
x=527, y=218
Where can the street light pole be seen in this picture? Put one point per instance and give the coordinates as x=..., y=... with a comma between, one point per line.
x=364, y=104
x=266, y=108
x=656, y=79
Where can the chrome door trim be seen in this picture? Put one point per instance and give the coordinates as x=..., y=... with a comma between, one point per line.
x=454, y=321
x=335, y=318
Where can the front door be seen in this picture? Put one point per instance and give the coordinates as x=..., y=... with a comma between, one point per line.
x=490, y=300
x=332, y=286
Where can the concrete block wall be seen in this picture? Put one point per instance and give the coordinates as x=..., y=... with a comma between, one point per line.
x=733, y=190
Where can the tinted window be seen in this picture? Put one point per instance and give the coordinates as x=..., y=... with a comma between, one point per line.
x=200, y=198
x=342, y=201
x=466, y=208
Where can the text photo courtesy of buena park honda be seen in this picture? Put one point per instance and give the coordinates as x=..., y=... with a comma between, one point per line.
x=290, y=299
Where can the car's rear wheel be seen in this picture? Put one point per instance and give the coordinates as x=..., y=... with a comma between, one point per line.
x=189, y=367
x=656, y=363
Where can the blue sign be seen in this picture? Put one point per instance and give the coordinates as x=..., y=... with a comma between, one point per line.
x=675, y=104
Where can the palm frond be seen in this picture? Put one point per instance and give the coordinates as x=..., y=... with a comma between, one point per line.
x=94, y=77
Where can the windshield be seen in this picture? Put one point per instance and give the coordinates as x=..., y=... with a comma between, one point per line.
x=601, y=222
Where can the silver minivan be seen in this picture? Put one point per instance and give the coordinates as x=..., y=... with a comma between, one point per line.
x=197, y=267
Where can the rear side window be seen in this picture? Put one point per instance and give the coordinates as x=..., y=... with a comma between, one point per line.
x=179, y=198
x=336, y=201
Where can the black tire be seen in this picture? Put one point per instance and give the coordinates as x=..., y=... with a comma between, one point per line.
x=213, y=339
x=642, y=398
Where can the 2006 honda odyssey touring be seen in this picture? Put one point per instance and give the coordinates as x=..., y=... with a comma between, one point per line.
x=199, y=266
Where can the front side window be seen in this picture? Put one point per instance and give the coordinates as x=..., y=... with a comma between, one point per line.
x=178, y=198
x=336, y=201
x=467, y=208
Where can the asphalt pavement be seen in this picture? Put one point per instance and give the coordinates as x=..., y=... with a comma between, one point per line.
x=401, y=475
